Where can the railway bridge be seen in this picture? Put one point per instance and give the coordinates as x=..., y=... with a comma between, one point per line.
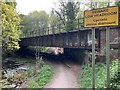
x=58, y=36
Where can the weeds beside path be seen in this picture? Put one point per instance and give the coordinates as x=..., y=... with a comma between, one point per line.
x=42, y=78
x=100, y=75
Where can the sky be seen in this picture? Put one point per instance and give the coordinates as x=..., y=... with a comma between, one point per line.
x=26, y=6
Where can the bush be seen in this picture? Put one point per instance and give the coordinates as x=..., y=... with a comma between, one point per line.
x=115, y=75
x=40, y=80
x=100, y=75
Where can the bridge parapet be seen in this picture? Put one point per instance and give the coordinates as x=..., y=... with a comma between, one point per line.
x=74, y=39
x=56, y=29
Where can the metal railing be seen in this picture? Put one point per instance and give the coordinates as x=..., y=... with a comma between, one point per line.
x=77, y=24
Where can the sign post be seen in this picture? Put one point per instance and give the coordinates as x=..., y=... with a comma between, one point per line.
x=102, y=17
x=93, y=58
x=108, y=55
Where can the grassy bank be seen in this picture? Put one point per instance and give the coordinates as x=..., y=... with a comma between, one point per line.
x=100, y=75
x=42, y=78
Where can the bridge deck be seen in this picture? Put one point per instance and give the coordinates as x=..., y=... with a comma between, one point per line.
x=57, y=36
x=73, y=39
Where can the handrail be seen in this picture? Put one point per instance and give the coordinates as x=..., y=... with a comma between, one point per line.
x=56, y=29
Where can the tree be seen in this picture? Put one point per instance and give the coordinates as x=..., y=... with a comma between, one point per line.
x=40, y=19
x=53, y=19
x=25, y=23
x=35, y=21
x=67, y=14
x=117, y=3
x=10, y=27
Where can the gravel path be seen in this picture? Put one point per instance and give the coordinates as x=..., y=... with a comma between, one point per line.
x=64, y=76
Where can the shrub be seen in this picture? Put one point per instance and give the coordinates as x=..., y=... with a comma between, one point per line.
x=100, y=75
x=42, y=78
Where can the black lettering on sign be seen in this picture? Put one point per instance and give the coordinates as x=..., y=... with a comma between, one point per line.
x=99, y=11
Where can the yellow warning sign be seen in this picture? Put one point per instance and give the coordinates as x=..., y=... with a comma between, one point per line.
x=101, y=17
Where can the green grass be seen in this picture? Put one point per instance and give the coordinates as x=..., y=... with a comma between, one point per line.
x=42, y=78
x=100, y=75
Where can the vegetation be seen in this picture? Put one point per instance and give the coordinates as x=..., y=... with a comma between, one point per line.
x=10, y=27
x=37, y=70
x=67, y=14
x=42, y=78
x=117, y=3
x=37, y=20
x=100, y=75
x=53, y=19
x=34, y=21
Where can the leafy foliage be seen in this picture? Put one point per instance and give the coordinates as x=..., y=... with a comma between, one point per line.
x=117, y=3
x=67, y=14
x=44, y=75
x=115, y=75
x=10, y=27
x=53, y=19
x=100, y=75
x=35, y=21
